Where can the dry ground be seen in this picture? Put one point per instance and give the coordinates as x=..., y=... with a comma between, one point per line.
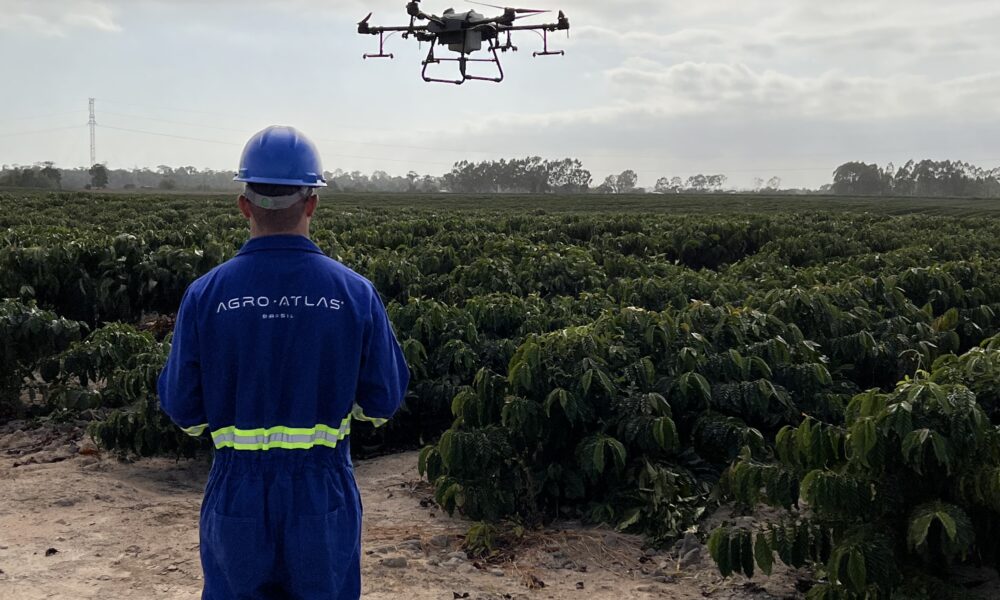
x=74, y=524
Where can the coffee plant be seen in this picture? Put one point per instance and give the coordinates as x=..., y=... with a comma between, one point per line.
x=632, y=365
x=907, y=485
x=28, y=336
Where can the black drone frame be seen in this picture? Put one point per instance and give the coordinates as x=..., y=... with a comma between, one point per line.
x=491, y=30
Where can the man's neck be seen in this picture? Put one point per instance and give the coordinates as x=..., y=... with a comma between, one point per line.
x=256, y=233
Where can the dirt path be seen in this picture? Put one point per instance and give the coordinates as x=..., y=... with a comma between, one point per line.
x=79, y=525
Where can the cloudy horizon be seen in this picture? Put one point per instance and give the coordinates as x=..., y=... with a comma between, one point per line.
x=757, y=88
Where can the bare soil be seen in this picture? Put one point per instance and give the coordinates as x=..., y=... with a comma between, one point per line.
x=75, y=523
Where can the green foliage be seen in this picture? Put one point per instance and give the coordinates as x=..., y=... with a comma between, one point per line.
x=903, y=485
x=29, y=337
x=610, y=366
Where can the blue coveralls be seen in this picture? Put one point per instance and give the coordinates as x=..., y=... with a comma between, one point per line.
x=274, y=352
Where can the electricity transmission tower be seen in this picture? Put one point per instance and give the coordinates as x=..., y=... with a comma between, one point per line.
x=93, y=137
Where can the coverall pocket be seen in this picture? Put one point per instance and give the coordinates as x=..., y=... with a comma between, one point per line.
x=239, y=552
x=322, y=556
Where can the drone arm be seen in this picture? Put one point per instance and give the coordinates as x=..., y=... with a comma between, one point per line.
x=546, y=27
x=378, y=30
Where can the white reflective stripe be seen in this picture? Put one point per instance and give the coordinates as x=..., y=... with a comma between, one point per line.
x=280, y=438
x=358, y=413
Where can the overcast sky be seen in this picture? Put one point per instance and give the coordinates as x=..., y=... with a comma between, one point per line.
x=667, y=87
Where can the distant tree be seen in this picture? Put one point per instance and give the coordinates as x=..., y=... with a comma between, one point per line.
x=669, y=185
x=30, y=177
x=927, y=178
x=758, y=184
x=697, y=183
x=568, y=176
x=716, y=182
x=626, y=181
x=526, y=175
x=774, y=184
x=664, y=186
x=857, y=178
x=50, y=173
x=610, y=185
x=167, y=184
x=98, y=176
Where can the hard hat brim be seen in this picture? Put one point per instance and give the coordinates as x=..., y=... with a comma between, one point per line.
x=271, y=181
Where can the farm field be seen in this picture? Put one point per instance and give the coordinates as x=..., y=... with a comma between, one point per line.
x=807, y=387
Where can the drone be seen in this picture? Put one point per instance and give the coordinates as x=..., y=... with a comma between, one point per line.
x=465, y=33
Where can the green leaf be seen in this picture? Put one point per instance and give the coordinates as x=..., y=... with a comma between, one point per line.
x=940, y=445
x=665, y=433
x=746, y=553
x=632, y=517
x=763, y=554
x=856, y=572
x=697, y=383
x=598, y=457
x=863, y=438
x=586, y=380
x=718, y=549
x=946, y=322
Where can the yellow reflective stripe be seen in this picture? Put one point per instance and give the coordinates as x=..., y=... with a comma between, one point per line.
x=196, y=430
x=296, y=438
x=278, y=445
x=281, y=429
x=358, y=413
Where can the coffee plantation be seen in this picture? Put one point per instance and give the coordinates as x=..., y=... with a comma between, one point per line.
x=635, y=364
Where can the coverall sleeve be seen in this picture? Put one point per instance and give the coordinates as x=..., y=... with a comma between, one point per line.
x=384, y=375
x=179, y=385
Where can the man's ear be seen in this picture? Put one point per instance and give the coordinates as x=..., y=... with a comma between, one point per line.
x=244, y=206
x=311, y=203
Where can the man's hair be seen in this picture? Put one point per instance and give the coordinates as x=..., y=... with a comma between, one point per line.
x=276, y=191
x=282, y=220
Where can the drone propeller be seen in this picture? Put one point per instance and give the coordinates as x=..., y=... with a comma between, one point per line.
x=517, y=11
x=366, y=19
x=528, y=16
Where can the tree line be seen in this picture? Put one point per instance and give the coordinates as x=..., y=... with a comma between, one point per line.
x=924, y=178
x=530, y=175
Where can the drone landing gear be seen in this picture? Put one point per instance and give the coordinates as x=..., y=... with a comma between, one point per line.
x=545, y=51
x=463, y=63
x=382, y=37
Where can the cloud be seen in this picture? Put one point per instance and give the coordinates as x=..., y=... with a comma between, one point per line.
x=737, y=89
x=56, y=18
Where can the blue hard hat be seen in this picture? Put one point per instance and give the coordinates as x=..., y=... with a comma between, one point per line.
x=281, y=156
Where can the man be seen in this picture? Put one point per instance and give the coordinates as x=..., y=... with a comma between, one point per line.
x=274, y=352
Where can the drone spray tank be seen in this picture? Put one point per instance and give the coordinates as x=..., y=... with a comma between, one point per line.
x=455, y=32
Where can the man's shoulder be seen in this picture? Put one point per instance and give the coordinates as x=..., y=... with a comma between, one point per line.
x=349, y=275
x=324, y=263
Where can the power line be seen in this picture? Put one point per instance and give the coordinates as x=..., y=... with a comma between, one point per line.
x=171, y=122
x=231, y=115
x=460, y=151
x=327, y=140
x=653, y=162
x=187, y=110
x=169, y=135
x=40, y=131
x=207, y=141
x=48, y=116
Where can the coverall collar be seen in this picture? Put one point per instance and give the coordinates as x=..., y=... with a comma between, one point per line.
x=279, y=242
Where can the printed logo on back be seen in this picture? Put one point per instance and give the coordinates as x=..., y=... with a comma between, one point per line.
x=282, y=302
